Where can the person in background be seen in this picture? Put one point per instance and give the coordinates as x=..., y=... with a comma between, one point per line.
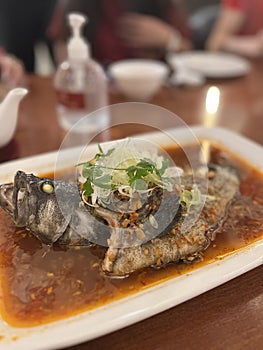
x=239, y=28
x=202, y=20
x=119, y=29
x=12, y=70
x=22, y=25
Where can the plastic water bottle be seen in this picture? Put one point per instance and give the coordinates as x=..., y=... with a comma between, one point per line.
x=81, y=85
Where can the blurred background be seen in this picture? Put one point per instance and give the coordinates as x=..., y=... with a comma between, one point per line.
x=201, y=16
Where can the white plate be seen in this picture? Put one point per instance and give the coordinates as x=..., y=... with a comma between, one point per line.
x=211, y=64
x=115, y=315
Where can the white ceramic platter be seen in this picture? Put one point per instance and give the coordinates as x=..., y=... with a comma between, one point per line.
x=211, y=64
x=118, y=314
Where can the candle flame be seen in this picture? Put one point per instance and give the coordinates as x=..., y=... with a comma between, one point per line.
x=210, y=117
x=211, y=106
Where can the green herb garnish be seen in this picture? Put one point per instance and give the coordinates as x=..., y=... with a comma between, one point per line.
x=137, y=176
x=194, y=197
x=132, y=175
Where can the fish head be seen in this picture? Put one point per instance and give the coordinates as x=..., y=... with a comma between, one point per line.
x=33, y=203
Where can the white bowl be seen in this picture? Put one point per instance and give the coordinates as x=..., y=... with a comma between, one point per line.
x=138, y=79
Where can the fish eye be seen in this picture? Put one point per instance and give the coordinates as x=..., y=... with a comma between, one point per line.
x=47, y=187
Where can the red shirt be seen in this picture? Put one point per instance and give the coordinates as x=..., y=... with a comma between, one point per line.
x=108, y=46
x=253, y=11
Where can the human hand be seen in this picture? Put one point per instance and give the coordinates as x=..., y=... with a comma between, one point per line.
x=247, y=45
x=252, y=45
x=141, y=31
x=12, y=70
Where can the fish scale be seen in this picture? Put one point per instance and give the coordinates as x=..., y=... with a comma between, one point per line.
x=54, y=212
x=181, y=242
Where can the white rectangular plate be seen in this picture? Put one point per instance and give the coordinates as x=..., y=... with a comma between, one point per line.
x=134, y=308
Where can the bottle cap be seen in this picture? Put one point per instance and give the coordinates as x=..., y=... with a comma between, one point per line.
x=78, y=48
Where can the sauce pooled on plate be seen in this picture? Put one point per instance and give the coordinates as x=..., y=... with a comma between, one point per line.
x=40, y=284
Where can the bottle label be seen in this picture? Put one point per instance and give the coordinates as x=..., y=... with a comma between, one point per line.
x=71, y=100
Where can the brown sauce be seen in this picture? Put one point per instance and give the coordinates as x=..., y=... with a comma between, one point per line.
x=41, y=284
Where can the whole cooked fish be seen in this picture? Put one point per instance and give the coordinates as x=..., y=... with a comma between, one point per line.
x=153, y=232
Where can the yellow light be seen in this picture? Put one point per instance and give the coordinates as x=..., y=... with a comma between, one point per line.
x=212, y=99
x=210, y=117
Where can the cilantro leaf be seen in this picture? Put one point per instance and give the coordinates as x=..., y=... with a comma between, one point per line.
x=139, y=174
x=103, y=181
x=165, y=164
x=87, y=188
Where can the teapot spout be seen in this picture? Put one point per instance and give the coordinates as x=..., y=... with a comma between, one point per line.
x=9, y=113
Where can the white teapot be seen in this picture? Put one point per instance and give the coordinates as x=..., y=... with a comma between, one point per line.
x=9, y=113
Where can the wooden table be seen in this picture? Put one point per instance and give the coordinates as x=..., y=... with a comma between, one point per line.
x=227, y=317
